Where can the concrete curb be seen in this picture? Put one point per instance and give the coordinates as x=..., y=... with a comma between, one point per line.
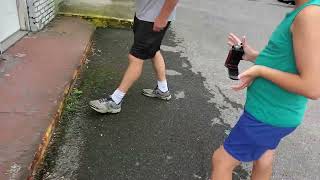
x=40, y=153
x=103, y=21
x=98, y=21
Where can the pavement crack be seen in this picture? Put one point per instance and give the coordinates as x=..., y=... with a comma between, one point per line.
x=228, y=100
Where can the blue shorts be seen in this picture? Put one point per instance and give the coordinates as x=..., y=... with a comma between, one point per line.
x=250, y=138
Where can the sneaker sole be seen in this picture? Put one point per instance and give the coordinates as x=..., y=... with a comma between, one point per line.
x=105, y=111
x=158, y=97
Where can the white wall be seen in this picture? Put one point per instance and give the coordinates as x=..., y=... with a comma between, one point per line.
x=9, y=20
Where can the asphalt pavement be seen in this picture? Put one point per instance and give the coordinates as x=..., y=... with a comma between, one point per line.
x=152, y=139
x=202, y=28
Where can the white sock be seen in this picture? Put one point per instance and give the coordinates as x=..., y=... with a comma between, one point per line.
x=163, y=86
x=117, y=96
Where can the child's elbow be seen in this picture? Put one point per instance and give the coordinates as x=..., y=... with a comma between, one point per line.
x=314, y=95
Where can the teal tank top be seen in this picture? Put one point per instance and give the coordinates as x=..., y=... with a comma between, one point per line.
x=266, y=101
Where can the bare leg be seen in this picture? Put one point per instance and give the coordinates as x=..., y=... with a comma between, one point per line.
x=262, y=168
x=132, y=73
x=159, y=66
x=222, y=165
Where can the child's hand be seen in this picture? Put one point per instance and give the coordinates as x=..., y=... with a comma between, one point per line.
x=247, y=77
x=249, y=53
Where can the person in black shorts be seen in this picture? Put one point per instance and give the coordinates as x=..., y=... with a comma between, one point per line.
x=152, y=19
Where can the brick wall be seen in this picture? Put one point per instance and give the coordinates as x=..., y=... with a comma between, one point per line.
x=41, y=12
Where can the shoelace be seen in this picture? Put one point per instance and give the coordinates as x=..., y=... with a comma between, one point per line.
x=103, y=100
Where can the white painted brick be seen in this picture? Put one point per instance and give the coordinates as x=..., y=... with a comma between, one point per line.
x=37, y=14
x=30, y=3
x=32, y=14
x=41, y=12
x=49, y=6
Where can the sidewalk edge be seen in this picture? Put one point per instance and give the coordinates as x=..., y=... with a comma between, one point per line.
x=103, y=21
x=40, y=152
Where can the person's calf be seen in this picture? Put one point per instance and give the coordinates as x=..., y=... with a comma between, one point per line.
x=159, y=66
x=132, y=73
x=112, y=104
x=262, y=168
x=223, y=165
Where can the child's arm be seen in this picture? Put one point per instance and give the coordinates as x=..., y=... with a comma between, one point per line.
x=306, y=39
x=307, y=84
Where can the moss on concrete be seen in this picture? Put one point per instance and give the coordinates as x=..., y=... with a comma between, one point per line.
x=102, y=13
x=120, y=12
x=103, y=21
x=57, y=4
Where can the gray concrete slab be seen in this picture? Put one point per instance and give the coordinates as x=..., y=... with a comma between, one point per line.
x=109, y=8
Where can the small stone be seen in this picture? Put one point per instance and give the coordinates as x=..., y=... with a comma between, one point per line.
x=170, y=72
x=197, y=176
x=20, y=55
x=169, y=157
x=227, y=132
x=179, y=95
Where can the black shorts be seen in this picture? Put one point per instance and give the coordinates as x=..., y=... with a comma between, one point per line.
x=146, y=41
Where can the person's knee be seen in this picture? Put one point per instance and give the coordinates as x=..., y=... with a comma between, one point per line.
x=265, y=162
x=134, y=60
x=157, y=53
x=220, y=159
x=217, y=157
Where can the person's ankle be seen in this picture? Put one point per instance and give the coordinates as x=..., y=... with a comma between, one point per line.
x=163, y=86
x=117, y=96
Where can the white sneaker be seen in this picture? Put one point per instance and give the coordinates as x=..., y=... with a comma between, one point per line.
x=105, y=105
x=157, y=93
